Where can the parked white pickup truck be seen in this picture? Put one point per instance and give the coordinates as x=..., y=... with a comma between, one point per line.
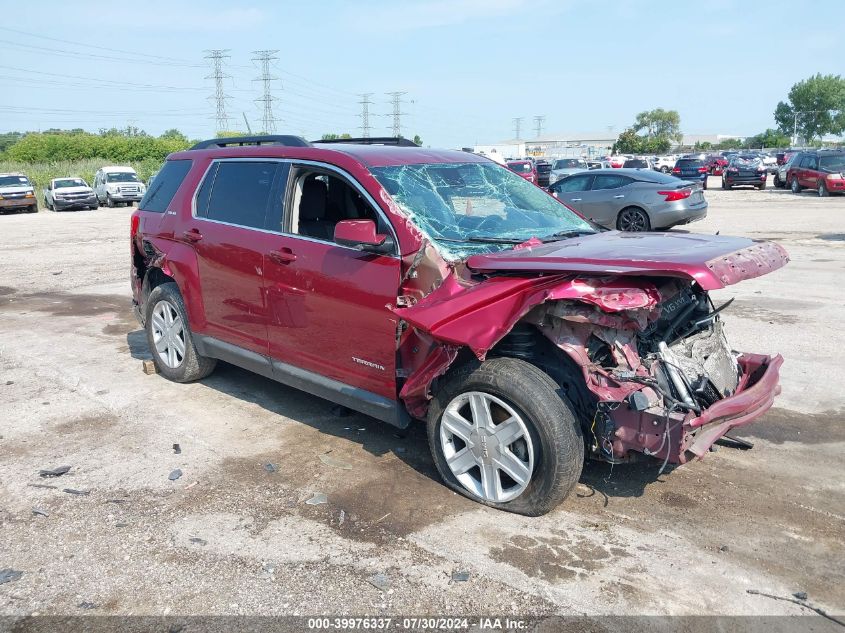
x=69, y=193
x=115, y=185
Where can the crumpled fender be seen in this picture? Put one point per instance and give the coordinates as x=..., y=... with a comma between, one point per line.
x=479, y=315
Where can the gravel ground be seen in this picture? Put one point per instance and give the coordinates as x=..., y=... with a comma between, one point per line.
x=232, y=536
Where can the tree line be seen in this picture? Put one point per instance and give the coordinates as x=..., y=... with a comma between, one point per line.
x=814, y=108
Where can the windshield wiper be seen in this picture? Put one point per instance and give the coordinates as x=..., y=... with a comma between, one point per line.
x=565, y=235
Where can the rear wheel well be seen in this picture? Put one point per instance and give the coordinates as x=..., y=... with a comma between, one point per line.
x=153, y=278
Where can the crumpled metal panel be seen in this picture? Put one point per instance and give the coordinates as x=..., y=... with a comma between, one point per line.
x=479, y=315
x=748, y=263
x=713, y=261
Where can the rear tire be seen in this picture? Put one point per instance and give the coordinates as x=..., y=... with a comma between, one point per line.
x=169, y=337
x=664, y=169
x=633, y=219
x=724, y=183
x=761, y=187
x=536, y=411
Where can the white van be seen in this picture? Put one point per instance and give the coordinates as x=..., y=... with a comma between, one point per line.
x=114, y=185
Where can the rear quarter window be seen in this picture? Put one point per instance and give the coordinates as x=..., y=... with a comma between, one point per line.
x=165, y=185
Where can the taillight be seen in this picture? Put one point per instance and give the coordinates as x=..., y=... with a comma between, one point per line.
x=676, y=170
x=676, y=194
x=702, y=170
x=135, y=224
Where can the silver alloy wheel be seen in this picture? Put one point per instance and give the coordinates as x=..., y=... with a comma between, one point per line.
x=632, y=220
x=487, y=446
x=168, y=334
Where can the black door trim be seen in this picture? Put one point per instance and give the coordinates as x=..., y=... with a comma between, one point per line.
x=391, y=411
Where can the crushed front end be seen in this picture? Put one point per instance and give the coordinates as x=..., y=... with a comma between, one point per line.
x=662, y=378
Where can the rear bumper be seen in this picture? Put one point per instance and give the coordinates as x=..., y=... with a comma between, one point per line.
x=674, y=216
x=756, y=179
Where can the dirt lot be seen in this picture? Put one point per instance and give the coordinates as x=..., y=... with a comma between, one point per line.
x=230, y=536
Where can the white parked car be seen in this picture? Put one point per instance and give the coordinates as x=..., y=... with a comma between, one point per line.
x=69, y=193
x=115, y=185
x=664, y=163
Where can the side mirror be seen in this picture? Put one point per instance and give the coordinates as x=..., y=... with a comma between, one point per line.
x=361, y=234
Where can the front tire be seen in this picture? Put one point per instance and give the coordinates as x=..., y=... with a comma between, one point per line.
x=502, y=433
x=109, y=202
x=633, y=219
x=822, y=191
x=796, y=188
x=169, y=337
x=778, y=182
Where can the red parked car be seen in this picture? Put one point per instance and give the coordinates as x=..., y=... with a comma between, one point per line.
x=409, y=283
x=716, y=164
x=820, y=170
x=524, y=168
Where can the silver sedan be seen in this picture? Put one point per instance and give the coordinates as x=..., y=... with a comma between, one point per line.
x=632, y=199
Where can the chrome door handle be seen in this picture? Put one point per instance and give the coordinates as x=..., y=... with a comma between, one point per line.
x=619, y=196
x=575, y=200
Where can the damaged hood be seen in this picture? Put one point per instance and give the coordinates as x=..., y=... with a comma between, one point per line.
x=712, y=261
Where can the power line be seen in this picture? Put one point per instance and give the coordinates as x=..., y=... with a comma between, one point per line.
x=517, y=125
x=268, y=122
x=396, y=100
x=365, y=113
x=102, y=48
x=217, y=55
x=538, y=124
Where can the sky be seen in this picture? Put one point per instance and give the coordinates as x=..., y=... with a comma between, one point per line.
x=468, y=67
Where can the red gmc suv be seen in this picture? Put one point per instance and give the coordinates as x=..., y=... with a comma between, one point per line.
x=409, y=283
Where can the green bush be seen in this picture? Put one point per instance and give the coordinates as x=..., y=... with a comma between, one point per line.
x=114, y=147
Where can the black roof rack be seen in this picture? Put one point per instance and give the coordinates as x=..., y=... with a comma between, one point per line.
x=373, y=140
x=240, y=141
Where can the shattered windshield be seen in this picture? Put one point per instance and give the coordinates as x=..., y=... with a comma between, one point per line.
x=476, y=207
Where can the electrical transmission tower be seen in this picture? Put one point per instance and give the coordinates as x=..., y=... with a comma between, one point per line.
x=538, y=124
x=217, y=55
x=517, y=126
x=365, y=113
x=268, y=122
x=396, y=100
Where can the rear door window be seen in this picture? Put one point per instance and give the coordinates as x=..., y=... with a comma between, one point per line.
x=165, y=185
x=608, y=181
x=240, y=192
